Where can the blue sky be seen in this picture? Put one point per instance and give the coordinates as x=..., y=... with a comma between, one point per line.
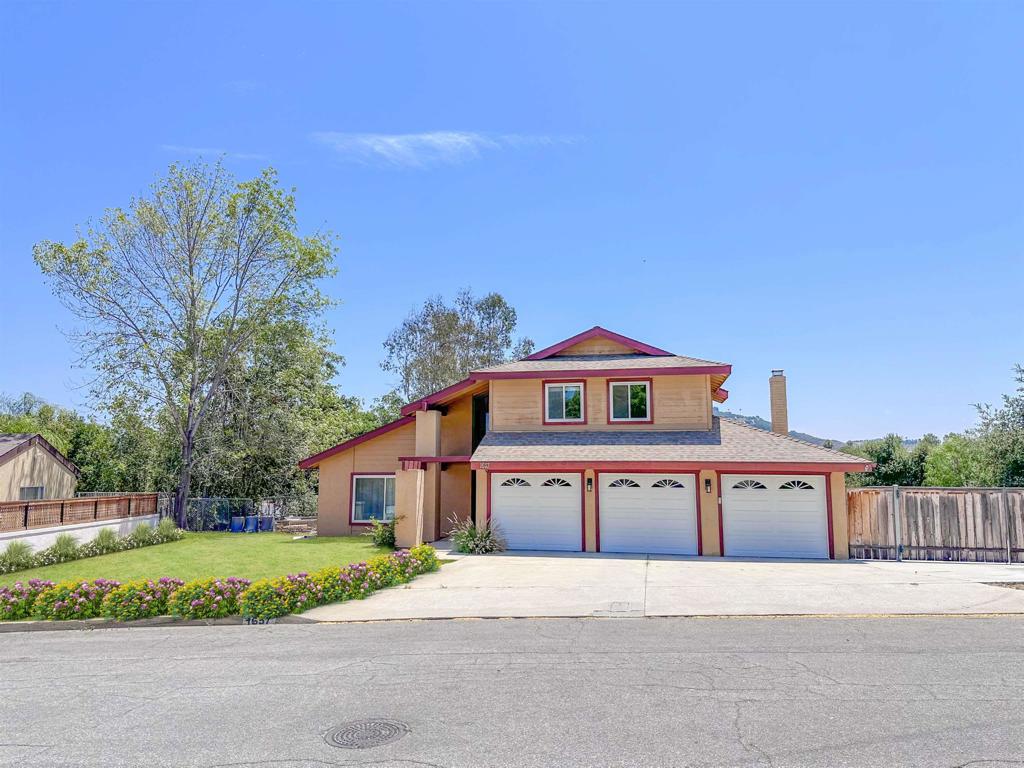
x=834, y=189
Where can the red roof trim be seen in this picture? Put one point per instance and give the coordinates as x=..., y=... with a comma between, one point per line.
x=425, y=402
x=720, y=395
x=312, y=461
x=597, y=332
x=809, y=467
x=695, y=370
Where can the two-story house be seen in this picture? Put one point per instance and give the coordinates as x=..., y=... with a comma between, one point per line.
x=599, y=443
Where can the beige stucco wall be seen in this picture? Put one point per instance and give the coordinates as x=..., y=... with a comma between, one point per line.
x=707, y=503
x=680, y=402
x=840, y=520
x=590, y=511
x=377, y=455
x=36, y=466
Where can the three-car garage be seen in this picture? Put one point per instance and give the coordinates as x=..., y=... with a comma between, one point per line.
x=763, y=515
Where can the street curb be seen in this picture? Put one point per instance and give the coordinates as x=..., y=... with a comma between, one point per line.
x=602, y=617
x=156, y=621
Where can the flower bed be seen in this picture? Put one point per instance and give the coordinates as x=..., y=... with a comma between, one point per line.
x=213, y=598
x=270, y=598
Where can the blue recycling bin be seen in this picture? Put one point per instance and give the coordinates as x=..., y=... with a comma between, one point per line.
x=251, y=523
x=237, y=524
x=266, y=523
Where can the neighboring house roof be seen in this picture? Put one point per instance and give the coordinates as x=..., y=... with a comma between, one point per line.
x=727, y=443
x=14, y=443
x=607, y=363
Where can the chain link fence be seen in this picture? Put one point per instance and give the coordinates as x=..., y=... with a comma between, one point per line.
x=214, y=513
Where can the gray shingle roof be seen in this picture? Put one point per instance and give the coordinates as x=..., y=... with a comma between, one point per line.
x=11, y=440
x=726, y=441
x=599, y=362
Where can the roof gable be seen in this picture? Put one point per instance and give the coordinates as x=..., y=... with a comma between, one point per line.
x=15, y=443
x=624, y=344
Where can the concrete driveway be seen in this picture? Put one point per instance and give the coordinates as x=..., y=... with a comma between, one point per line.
x=533, y=584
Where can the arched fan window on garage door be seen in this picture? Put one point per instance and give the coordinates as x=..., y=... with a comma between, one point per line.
x=750, y=485
x=557, y=482
x=796, y=485
x=515, y=482
x=623, y=482
x=667, y=483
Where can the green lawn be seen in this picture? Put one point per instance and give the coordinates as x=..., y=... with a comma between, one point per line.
x=251, y=556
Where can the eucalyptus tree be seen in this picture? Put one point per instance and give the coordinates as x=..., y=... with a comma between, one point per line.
x=438, y=344
x=173, y=289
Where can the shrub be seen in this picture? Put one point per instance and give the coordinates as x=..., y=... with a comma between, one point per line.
x=64, y=548
x=476, y=540
x=208, y=598
x=382, y=533
x=140, y=599
x=17, y=556
x=168, y=530
x=106, y=541
x=424, y=558
x=142, y=536
x=73, y=599
x=270, y=598
x=16, y=601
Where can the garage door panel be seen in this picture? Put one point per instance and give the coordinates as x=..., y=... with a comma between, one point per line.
x=638, y=515
x=774, y=516
x=532, y=515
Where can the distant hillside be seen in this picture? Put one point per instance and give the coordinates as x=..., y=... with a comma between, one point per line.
x=759, y=423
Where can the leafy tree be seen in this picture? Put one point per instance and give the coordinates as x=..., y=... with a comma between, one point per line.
x=277, y=407
x=894, y=464
x=438, y=344
x=959, y=461
x=175, y=289
x=1001, y=432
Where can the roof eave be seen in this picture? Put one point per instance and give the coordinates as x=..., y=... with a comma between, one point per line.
x=683, y=370
x=597, y=332
x=313, y=461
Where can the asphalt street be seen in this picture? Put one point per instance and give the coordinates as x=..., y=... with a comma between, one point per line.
x=549, y=692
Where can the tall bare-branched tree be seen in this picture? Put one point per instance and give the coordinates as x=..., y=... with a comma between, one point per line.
x=174, y=288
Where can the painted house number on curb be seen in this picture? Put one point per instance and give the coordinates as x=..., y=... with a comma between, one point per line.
x=252, y=620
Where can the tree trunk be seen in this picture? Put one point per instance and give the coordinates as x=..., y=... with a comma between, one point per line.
x=184, y=482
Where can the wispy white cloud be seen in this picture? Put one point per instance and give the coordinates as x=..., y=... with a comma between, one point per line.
x=210, y=152
x=421, y=150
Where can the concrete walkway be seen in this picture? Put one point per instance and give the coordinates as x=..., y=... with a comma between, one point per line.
x=528, y=584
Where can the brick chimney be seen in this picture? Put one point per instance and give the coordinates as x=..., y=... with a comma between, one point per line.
x=780, y=410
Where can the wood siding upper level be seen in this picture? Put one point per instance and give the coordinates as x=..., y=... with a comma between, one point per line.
x=680, y=402
x=597, y=346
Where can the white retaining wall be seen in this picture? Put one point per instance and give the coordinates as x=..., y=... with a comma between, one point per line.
x=41, y=538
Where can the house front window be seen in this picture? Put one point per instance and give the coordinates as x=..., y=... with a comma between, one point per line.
x=31, y=492
x=373, y=498
x=563, y=402
x=630, y=400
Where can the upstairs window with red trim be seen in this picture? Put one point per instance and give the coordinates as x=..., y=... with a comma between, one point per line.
x=630, y=400
x=563, y=402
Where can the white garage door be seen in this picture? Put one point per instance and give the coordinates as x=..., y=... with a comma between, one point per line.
x=648, y=513
x=538, y=511
x=774, y=516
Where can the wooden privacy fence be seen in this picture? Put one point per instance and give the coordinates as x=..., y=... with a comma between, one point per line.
x=955, y=524
x=24, y=515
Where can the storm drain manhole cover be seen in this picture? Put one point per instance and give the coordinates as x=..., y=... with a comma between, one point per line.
x=363, y=734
